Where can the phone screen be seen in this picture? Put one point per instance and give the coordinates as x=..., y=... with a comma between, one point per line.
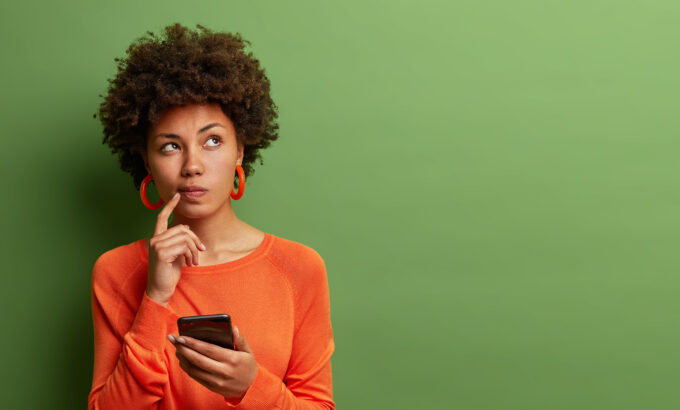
x=215, y=329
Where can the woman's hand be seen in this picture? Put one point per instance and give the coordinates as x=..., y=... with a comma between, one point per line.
x=224, y=371
x=169, y=250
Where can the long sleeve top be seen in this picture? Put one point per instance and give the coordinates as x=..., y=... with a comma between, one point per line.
x=276, y=295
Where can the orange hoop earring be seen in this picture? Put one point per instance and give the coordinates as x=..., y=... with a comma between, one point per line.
x=241, y=183
x=142, y=193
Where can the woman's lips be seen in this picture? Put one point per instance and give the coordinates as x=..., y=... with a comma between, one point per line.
x=192, y=194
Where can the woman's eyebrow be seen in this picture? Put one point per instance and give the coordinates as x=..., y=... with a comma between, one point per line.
x=207, y=127
x=204, y=129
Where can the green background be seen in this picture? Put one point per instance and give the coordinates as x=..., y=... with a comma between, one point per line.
x=493, y=186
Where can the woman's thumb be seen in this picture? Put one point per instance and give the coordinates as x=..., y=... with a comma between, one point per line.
x=241, y=344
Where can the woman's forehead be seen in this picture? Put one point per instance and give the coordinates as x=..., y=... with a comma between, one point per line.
x=191, y=119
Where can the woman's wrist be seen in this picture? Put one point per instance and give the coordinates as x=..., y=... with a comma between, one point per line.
x=158, y=297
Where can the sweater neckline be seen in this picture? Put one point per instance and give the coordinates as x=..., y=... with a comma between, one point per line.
x=257, y=253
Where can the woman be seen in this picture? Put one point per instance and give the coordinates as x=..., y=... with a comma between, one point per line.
x=189, y=112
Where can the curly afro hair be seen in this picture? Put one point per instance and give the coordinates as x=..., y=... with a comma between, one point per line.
x=186, y=67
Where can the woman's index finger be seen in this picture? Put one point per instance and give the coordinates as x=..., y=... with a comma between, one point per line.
x=164, y=214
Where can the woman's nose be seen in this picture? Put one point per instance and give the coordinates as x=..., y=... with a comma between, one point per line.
x=192, y=162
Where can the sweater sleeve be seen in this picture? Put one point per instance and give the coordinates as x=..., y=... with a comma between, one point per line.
x=130, y=370
x=308, y=382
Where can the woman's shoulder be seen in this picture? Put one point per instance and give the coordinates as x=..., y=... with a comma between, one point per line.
x=303, y=269
x=122, y=258
x=295, y=259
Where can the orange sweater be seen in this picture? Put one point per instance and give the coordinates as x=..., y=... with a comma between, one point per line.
x=277, y=296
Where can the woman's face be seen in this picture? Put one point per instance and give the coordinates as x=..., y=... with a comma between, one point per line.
x=193, y=145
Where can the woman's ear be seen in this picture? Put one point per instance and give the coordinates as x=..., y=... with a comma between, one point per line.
x=239, y=159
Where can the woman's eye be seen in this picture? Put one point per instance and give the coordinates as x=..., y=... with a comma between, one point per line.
x=215, y=138
x=165, y=145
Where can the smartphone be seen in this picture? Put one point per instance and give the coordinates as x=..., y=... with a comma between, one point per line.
x=215, y=329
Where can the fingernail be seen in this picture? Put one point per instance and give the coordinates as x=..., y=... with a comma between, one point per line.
x=176, y=195
x=181, y=340
x=171, y=338
x=203, y=246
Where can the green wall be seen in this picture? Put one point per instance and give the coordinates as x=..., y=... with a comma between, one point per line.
x=493, y=186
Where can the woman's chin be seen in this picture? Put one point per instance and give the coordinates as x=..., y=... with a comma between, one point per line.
x=193, y=211
x=197, y=210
